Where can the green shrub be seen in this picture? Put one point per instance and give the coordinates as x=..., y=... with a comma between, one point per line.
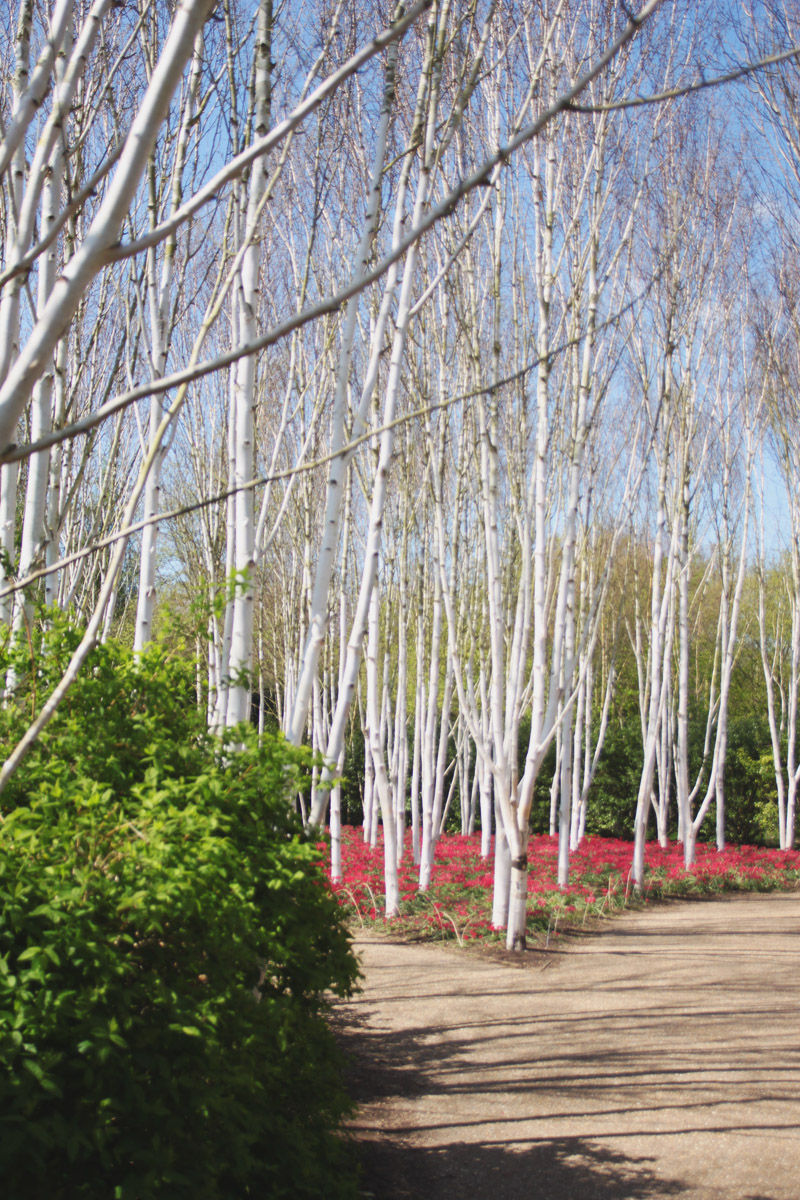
x=749, y=782
x=612, y=797
x=121, y=716
x=166, y=945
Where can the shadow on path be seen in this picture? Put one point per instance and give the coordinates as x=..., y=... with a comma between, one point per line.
x=661, y=1061
x=386, y=1066
x=557, y=1169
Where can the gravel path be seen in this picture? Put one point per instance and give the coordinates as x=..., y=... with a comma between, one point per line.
x=657, y=1058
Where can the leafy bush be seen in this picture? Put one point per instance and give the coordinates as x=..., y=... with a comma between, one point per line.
x=612, y=797
x=166, y=943
x=120, y=717
x=750, y=794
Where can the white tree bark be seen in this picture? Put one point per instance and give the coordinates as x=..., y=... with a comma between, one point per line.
x=104, y=230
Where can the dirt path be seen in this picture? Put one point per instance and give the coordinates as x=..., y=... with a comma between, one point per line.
x=659, y=1058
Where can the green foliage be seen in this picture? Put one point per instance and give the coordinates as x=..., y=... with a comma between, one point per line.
x=352, y=788
x=166, y=943
x=750, y=793
x=120, y=717
x=766, y=814
x=750, y=808
x=540, y=807
x=612, y=797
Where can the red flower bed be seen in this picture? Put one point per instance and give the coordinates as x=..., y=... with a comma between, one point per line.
x=458, y=902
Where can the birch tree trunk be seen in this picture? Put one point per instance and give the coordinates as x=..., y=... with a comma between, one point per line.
x=160, y=301
x=249, y=292
x=71, y=285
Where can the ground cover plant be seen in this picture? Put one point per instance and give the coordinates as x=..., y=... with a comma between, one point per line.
x=459, y=902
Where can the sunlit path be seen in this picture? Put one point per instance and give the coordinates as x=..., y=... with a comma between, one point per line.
x=658, y=1058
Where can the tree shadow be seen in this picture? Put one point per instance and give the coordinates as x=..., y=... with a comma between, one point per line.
x=472, y=1087
x=553, y=1169
x=384, y=1066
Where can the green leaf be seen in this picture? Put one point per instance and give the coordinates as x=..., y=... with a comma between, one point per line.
x=30, y=1064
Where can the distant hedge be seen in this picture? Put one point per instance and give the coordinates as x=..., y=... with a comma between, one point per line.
x=166, y=944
